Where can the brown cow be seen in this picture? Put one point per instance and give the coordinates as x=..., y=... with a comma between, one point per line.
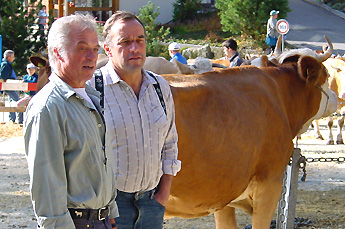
x=235, y=129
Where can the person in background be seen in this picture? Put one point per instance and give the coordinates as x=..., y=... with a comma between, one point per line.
x=42, y=19
x=7, y=72
x=174, y=52
x=31, y=77
x=71, y=178
x=230, y=50
x=143, y=133
x=272, y=33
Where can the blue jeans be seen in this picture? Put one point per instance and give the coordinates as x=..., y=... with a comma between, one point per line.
x=139, y=211
x=14, y=96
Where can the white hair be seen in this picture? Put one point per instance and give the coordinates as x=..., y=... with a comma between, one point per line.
x=8, y=53
x=59, y=34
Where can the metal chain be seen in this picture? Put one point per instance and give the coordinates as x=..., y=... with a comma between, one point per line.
x=326, y=159
x=303, y=163
x=337, y=114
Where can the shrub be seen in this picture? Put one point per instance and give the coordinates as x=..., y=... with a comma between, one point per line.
x=20, y=32
x=186, y=9
x=155, y=35
x=249, y=17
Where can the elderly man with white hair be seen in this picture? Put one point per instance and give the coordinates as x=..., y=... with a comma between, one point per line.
x=71, y=181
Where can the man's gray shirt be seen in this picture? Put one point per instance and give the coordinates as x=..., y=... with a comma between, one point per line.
x=64, y=141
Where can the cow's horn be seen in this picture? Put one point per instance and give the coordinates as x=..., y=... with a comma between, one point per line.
x=328, y=52
x=278, y=49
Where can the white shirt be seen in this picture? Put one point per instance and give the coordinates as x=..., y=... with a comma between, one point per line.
x=139, y=130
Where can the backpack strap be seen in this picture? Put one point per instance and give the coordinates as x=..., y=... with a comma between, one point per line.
x=99, y=86
x=158, y=91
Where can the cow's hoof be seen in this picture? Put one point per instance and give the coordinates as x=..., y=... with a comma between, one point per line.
x=319, y=137
x=330, y=142
x=341, y=142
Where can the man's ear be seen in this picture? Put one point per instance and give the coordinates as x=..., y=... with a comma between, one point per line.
x=56, y=52
x=107, y=50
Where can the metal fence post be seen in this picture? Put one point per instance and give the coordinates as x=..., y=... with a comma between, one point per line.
x=288, y=199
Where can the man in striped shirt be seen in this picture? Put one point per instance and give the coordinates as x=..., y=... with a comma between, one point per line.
x=144, y=137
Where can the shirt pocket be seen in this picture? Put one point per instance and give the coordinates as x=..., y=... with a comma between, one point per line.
x=158, y=116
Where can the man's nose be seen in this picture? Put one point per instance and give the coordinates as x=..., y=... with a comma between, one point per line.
x=134, y=46
x=91, y=54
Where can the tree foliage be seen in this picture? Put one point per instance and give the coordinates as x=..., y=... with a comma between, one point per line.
x=20, y=32
x=186, y=9
x=249, y=17
x=155, y=34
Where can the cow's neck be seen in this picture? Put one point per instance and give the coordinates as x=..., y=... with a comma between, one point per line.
x=300, y=100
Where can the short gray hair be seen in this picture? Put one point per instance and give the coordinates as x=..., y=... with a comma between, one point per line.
x=59, y=33
x=8, y=53
x=118, y=15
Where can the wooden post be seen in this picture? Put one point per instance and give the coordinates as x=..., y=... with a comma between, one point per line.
x=60, y=8
x=115, y=6
x=71, y=7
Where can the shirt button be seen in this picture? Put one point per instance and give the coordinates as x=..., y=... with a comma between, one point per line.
x=99, y=125
x=77, y=97
x=145, y=146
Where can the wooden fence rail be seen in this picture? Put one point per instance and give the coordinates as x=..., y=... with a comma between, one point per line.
x=15, y=85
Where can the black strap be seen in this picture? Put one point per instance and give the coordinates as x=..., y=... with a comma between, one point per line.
x=233, y=57
x=159, y=91
x=99, y=85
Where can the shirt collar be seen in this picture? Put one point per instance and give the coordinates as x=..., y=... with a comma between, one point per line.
x=111, y=77
x=66, y=90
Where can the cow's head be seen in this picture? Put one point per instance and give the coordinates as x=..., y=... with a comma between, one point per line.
x=314, y=73
x=44, y=70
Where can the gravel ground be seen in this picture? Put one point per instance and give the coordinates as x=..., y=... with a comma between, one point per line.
x=320, y=202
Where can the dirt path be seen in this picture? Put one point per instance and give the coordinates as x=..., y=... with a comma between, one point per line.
x=320, y=199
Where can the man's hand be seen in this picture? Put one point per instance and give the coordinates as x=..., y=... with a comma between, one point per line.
x=113, y=224
x=162, y=195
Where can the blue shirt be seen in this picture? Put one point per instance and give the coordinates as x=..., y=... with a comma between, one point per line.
x=64, y=137
x=30, y=79
x=6, y=70
x=178, y=56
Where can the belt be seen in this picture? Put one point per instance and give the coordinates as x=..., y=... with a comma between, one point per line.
x=89, y=214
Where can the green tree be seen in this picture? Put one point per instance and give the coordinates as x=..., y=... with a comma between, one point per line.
x=186, y=9
x=155, y=34
x=249, y=17
x=20, y=32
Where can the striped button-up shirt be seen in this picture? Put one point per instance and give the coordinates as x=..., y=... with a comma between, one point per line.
x=143, y=137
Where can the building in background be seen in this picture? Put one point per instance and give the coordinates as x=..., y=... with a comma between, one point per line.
x=102, y=9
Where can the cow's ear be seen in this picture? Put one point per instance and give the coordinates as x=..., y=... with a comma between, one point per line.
x=309, y=69
x=38, y=61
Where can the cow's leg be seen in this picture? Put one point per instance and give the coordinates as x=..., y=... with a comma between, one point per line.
x=330, y=136
x=317, y=130
x=340, y=130
x=225, y=218
x=265, y=201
